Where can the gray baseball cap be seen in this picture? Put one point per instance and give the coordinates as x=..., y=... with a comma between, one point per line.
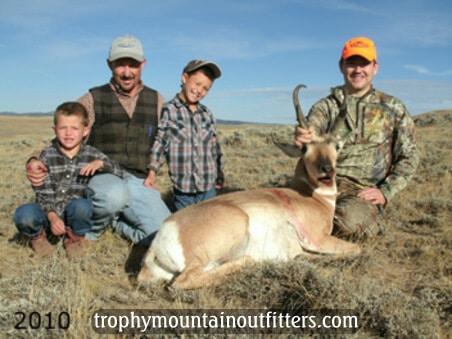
x=126, y=46
x=197, y=64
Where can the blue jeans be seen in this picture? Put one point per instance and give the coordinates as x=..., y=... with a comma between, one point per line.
x=134, y=210
x=30, y=218
x=182, y=199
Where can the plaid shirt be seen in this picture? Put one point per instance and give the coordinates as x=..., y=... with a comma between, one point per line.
x=190, y=144
x=63, y=183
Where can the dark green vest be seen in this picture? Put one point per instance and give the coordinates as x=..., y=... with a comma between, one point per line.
x=127, y=141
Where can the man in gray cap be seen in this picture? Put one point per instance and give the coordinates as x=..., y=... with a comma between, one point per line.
x=123, y=118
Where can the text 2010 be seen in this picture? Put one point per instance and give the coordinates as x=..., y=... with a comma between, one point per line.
x=35, y=320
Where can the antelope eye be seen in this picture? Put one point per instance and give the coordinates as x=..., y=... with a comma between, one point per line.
x=304, y=149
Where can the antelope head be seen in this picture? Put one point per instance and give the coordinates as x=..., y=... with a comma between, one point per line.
x=317, y=165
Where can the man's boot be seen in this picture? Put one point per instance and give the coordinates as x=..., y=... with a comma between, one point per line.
x=41, y=245
x=76, y=245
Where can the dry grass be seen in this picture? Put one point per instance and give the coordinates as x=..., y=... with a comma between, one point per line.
x=400, y=286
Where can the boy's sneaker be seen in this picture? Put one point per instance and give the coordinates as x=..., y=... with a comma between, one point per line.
x=41, y=245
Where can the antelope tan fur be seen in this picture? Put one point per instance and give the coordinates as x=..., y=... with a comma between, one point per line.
x=200, y=244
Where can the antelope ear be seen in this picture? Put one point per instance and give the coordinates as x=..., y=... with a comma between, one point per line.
x=288, y=149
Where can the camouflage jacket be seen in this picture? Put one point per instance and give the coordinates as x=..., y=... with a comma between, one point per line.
x=379, y=138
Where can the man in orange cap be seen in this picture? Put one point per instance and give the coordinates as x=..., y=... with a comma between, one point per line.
x=379, y=156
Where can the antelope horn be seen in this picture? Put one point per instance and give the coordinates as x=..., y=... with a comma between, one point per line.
x=300, y=117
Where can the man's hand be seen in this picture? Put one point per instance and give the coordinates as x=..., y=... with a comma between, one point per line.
x=303, y=136
x=219, y=184
x=373, y=195
x=36, y=172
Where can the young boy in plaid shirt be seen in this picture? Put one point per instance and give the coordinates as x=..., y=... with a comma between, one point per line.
x=187, y=137
x=61, y=206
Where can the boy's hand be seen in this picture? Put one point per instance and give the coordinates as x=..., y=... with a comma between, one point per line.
x=219, y=184
x=150, y=180
x=57, y=225
x=91, y=168
x=36, y=172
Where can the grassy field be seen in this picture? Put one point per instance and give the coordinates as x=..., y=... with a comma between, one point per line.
x=400, y=285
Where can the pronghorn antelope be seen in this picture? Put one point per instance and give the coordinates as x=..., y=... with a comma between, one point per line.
x=199, y=244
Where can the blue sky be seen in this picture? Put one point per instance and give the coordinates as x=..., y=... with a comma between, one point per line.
x=55, y=50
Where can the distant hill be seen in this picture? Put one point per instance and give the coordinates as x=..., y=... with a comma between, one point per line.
x=230, y=122
x=32, y=114
x=40, y=114
x=440, y=117
x=422, y=119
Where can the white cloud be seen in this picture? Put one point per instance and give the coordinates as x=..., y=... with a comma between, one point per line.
x=342, y=5
x=424, y=70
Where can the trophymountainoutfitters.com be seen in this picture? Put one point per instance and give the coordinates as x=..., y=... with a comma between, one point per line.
x=156, y=321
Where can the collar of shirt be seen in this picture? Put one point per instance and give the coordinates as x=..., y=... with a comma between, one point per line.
x=128, y=103
x=57, y=145
x=178, y=102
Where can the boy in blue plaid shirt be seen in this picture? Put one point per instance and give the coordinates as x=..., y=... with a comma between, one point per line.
x=187, y=137
x=61, y=206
